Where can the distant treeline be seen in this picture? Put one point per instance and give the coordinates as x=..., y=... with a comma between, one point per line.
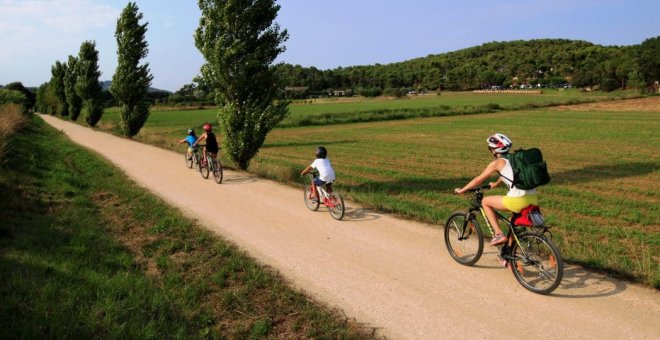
x=539, y=63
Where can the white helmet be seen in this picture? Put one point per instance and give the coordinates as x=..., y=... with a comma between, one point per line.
x=499, y=143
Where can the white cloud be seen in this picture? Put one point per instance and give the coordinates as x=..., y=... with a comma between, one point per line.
x=36, y=32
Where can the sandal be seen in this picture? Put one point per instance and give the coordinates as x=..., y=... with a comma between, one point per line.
x=497, y=239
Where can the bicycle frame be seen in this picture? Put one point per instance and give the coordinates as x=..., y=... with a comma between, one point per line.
x=322, y=193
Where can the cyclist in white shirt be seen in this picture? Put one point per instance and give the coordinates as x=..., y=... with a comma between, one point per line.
x=326, y=172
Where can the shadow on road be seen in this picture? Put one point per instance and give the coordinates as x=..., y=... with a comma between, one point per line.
x=581, y=283
x=360, y=214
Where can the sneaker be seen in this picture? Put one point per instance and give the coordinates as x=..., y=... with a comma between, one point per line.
x=498, y=239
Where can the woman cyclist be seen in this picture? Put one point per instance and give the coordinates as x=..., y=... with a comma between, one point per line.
x=515, y=200
x=211, y=143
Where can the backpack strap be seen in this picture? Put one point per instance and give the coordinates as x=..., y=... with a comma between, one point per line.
x=508, y=157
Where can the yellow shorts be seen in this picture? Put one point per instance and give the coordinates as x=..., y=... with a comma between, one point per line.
x=516, y=204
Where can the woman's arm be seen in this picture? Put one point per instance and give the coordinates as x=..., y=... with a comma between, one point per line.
x=492, y=167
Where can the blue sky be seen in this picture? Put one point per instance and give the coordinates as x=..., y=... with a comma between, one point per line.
x=325, y=34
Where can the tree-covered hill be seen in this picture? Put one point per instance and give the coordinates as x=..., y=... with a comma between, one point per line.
x=549, y=62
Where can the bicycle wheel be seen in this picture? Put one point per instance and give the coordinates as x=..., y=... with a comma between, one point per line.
x=205, y=168
x=464, y=241
x=536, y=263
x=198, y=163
x=311, y=205
x=337, y=208
x=189, y=160
x=217, y=171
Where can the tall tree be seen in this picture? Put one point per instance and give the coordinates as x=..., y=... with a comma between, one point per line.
x=648, y=58
x=58, y=71
x=87, y=86
x=240, y=41
x=72, y=98
x=131, y=80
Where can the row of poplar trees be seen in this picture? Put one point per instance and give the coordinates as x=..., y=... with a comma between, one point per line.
x=74, y=87
x=239, y=40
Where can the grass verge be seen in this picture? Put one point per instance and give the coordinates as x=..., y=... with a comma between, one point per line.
x=86, y=253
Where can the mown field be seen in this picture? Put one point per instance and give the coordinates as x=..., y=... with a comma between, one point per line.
x=86, y=253
x=603, y=198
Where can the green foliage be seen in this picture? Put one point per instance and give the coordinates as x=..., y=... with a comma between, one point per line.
x=12, y=97
x=131, y=80
x=18, y=86
x=87, y=86
x=240, y=42
x=72, y=98
x=58, y=72
x=648, y=58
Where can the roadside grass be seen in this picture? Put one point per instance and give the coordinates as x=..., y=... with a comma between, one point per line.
x=11, y=120
x=86, y=253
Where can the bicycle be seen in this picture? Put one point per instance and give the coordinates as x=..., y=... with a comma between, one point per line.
x=529, y=251
x=193, y=159
x=212, y=165
x=333, y=200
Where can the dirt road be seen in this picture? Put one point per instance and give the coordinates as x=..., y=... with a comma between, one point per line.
x=388, y=273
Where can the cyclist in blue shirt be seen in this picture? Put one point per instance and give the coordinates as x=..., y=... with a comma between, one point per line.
x=190, y=139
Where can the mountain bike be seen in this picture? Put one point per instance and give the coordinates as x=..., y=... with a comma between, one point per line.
x=193, y=159
x=212, y=166
x=529, y=251
x=326, y=196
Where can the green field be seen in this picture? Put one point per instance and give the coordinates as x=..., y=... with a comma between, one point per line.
x=81, y=258
x=604, y=165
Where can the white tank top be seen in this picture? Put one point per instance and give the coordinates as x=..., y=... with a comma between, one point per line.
x=507, y=175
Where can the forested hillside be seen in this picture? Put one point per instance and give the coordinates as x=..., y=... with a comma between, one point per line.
x=549, y=62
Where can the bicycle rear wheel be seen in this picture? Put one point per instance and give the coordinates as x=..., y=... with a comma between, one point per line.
x=464, y=239
x=337, y=208
x=311, y=205
x=217, y=171
x=536, y=263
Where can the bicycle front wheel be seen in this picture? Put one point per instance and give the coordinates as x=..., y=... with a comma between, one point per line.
x=464, y=238
x=536, y=263
x=337, y=207
x=217, y=171
x=311, y=205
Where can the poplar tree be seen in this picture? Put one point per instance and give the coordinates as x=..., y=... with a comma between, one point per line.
x=58, y=72
x=240, y=41
x=88, y=86
x=72, y=98
x=131, y=80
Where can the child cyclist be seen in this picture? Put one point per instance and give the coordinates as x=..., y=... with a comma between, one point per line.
x=211, y=143
x=326, y=172
x=190, y=139
x=515, y=200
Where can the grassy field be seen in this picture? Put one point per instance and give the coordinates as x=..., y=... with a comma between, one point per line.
x=81, y=257
x=603, y=198
x=351, y=110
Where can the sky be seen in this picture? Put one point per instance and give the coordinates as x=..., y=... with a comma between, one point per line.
x=326, y=34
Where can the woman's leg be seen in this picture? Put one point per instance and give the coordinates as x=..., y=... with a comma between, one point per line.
x=490, y=203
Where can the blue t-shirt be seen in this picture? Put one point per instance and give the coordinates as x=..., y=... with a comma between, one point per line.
x=191, y=140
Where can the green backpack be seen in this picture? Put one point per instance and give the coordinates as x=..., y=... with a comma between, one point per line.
x=529, y=169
